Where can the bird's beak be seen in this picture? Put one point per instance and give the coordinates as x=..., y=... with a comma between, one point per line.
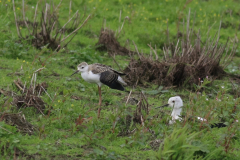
x=75, y=72
x=165, y=105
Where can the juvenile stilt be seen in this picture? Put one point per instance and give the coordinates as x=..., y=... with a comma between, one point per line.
x=101, y=74
x=176, y=103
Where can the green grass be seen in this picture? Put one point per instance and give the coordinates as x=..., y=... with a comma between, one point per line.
x=58, y=136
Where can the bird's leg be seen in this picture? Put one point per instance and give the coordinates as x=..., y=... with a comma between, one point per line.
x=100, y=101
x=100, y=96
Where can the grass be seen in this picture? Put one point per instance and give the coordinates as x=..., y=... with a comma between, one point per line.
x=60, y=132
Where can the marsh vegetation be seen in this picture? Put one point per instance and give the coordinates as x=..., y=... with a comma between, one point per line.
x=187, y=48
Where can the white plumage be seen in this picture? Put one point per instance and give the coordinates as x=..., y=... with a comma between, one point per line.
x=91, y=78
x=101, y=74
x=176, y=103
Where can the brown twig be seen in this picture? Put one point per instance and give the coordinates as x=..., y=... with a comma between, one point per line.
x=14, y=11
x=146, y=101
x=116, y=62
x=118, y=33
x=154, y=51
x=24, y=18
x=128, y=97
x=137, y=50
x=6, y=130
x=58, y=5
x=18, y=85
x=34, y=20
x=69, y=20
x=63, y=27
x=76, y=29
x=70, y=7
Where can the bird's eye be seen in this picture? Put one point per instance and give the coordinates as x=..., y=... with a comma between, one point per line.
x=82, y=67
x=173, y=101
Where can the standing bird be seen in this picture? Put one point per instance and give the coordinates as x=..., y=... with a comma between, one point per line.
x=101, y=74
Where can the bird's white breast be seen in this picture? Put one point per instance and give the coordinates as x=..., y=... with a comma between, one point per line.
x=91, y=78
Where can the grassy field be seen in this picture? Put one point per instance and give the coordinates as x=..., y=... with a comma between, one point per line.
x=69, y=128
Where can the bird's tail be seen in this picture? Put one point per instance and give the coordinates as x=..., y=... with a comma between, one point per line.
x=120, y=80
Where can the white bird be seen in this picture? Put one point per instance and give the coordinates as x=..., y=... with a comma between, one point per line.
x=101, y=74
x=176, y=103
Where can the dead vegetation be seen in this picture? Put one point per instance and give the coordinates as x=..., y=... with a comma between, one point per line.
x=22, y=23
x=45, y=30
x=155, y=144
x=29, y=97
x=141, y=110
x=183, y=63
x=18, y=120
x=108, y=42
x=138, y=116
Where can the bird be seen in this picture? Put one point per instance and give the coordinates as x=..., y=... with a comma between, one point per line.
x=176, y=103
x=101, y=74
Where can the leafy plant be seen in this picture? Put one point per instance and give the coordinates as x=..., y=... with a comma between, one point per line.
x=181, y=144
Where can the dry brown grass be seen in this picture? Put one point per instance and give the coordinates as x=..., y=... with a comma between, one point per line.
x=47, y=31
x=184, y=61
x=29, y=97
x=108, y=42
x=18, y=120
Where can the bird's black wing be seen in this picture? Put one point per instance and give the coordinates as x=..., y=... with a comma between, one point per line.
x=218, y=125
x=109, y=78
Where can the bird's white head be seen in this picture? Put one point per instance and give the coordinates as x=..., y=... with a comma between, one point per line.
x=82, y=67
x=175, y=102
